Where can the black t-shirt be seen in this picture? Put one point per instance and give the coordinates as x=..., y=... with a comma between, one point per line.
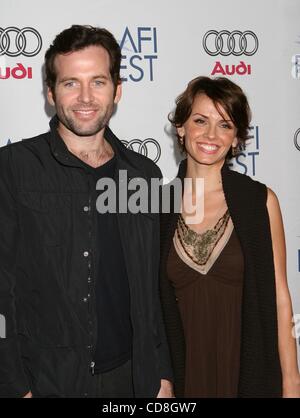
x=114, y=341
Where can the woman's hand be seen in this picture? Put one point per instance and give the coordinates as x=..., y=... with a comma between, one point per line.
x=291, y=388
x=166, y=389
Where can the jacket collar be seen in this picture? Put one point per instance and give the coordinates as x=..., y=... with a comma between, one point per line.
x=65, y=157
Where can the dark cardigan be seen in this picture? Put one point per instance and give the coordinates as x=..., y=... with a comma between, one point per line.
x=260, y=372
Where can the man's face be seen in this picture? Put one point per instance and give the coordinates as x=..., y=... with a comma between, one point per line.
x=84, y=91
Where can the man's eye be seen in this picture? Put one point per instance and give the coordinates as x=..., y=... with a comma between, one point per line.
x=70, y=84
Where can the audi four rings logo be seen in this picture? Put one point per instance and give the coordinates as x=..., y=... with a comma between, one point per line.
x=15, y=42
x=297, y=139
x=227, y=43
x=149, y=147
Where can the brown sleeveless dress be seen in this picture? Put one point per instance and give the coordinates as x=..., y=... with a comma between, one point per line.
x=210, y=308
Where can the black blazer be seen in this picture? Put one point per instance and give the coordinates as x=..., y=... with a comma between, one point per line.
x=48, y=262
x=260, y=372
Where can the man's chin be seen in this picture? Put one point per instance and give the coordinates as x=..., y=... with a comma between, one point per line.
x=87, y=131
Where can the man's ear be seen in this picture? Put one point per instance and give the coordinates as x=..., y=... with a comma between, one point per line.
x=118, y=94
x=50, y=97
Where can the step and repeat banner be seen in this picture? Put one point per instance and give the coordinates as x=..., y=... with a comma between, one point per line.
x=164, y=45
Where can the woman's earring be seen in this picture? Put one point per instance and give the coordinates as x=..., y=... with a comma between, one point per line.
x=234, y=151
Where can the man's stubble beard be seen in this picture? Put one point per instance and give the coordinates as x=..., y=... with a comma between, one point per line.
x=75, y=126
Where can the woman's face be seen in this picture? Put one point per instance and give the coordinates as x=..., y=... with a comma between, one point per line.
x=208, y=135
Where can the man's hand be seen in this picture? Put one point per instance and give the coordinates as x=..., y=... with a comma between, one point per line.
x=166, y=389
x=28, y=395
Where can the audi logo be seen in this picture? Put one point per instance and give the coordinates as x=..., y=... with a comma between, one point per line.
x=227, y=43
x=149, y=147
x=296, y=139
x=15, y=41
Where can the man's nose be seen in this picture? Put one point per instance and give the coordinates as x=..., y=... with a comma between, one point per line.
x=86, y=94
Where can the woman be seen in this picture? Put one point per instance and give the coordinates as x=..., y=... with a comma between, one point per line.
x=224, y=292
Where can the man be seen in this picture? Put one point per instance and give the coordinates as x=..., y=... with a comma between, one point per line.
x=78, y=288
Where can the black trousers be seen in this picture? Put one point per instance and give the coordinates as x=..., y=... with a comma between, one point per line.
x=116, y=383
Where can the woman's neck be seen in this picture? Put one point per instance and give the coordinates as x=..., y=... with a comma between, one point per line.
x=211, y=174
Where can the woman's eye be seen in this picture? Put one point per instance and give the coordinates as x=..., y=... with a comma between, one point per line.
x=200, y=121
x=226, y=125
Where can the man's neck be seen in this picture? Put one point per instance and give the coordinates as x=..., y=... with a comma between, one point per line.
x=93, y=150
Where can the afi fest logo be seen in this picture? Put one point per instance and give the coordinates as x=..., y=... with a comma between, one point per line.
x=296, y=328
x=296, y=64
x=245, y=161
x=139, y=54
x=225, y=43
x=15, y=42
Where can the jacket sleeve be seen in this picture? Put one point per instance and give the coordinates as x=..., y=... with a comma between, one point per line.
x=164, y=361
x=166, y=371
x=174, y=333
x=165, y=367
x=13, y=382
x=170, y=310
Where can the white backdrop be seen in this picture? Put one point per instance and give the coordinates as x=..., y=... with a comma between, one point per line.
x=164, y=45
